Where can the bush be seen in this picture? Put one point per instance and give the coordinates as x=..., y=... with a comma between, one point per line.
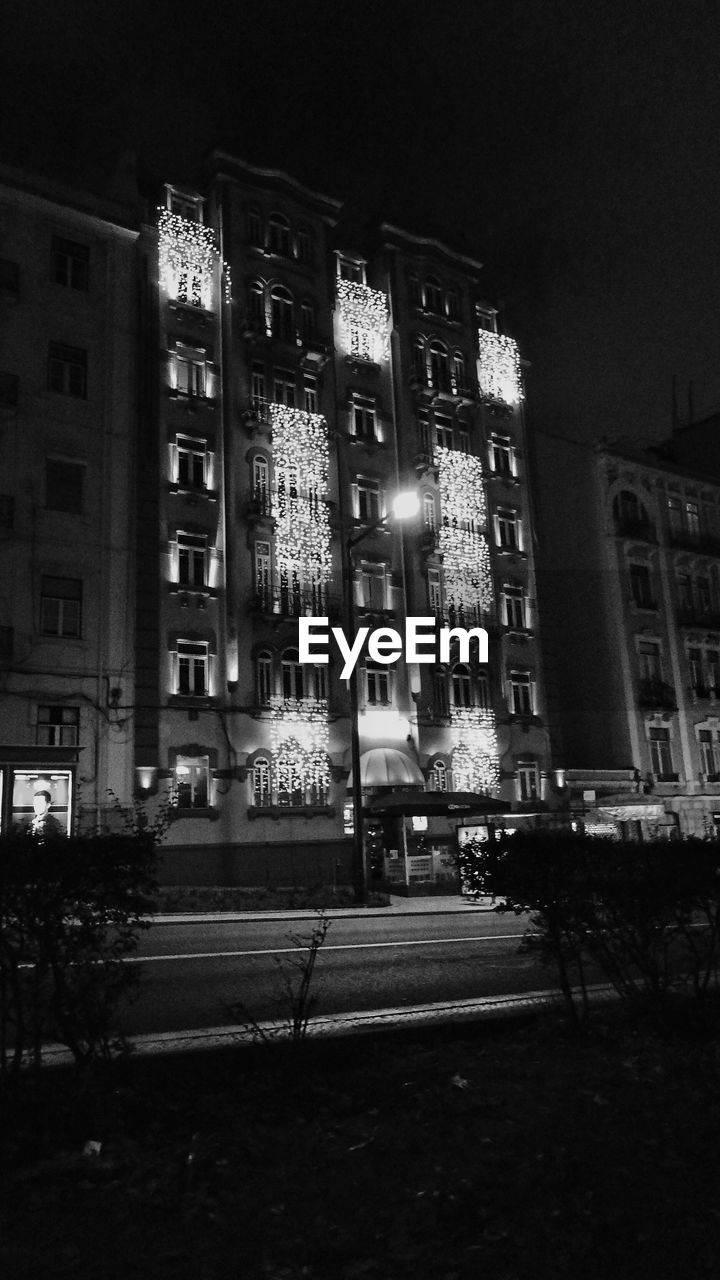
x=646, y=915
x=71, y=910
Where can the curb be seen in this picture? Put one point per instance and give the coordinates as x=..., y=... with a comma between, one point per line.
x=160, y=1043
x=310, y=913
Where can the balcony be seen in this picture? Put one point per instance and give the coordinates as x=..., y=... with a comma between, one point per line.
x=286, y=602
x=706, y=620
x=656, y=695
x=687, y=540
x=640, y=530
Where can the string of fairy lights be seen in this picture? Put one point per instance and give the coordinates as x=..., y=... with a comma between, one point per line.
x=464, y=548
x=301, y=457
x=187, y=255
x=475, y=757
x=364, y=320
x=499, y=371
x=300, y=743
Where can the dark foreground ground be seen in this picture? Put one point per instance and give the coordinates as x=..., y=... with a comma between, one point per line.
x=510, y=1151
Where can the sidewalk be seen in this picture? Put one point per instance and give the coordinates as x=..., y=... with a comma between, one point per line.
x=452, y=904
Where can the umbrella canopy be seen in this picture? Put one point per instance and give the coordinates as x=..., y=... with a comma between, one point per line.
x=388, y=767
x=429, y=803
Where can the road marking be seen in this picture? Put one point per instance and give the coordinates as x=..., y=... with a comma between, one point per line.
x=328, y=946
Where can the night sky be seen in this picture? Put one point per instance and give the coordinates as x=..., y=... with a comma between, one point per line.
x=572, y=148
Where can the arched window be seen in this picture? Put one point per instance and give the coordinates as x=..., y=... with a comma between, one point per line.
x=629, y=512
x=438, y=777
x=461, y=686
x=293, y=675
x=281, y=309
x=307, y=323
x=264, y=678
x=429, y=512
x=317, y=682
x=261, y=783
x=433, y=295
x=439, y=371
x=279, y=234
x=261, y=482
x=458, y=372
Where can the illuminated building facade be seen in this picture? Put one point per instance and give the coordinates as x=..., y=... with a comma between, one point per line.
x=305, y=374
x=631, y=630
x=68, y=336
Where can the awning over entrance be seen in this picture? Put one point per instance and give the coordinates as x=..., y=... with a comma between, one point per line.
x=388, y=767
x=431, y=803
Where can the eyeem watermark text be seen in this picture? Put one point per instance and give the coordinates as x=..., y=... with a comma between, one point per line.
x=424, y=642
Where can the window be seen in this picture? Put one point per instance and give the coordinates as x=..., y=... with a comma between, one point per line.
x=57, y=726
x=440, y=692
x=414, y=291
x=256, y=304
x=279, y=234
x=696, y=670
x=310, y=393
x=452, y=305
x=291, y=792
x=444, y=435
x=521, y=699
x=429, y=511
x=282, y=314
x=674, y=515
x=650, y=660
x=190, y=371
x=70, y=263
x=483, y=691
x=513, y=604
x=501, y=455
x=368, y=500
x=528, y=781
x=459, y=379
x=192, y=559
x=67, y=370
x=304, y=245
x=263, y=678
x=685, y=591
x=261, y=482
x=463, y=439
x=712, y=658
x=377, y=684
x=262, y=573
x=261, y=783
x=253, y=226
x=660, y=754
x=486, y=319
x=641, y=586
x=192, y=779
x=284, y=387
x=317, y=683
x=703, y=594
x=61, y=607
x=507, y=530
x=191, y=468
x=433, y=295
x=372, y=586
x=439, y=369
x=438, y=776
x=64, y=486
x=349, y=269
x=193, y=668
x=292, y=674
x=257, y=386
x=184, y=205
x=708, y=753
x=692, y=519
x=461, y=686
x=434, y=588
x=308, y=326
x=363, y=412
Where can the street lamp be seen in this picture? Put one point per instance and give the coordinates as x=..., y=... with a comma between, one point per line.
x=405, y=505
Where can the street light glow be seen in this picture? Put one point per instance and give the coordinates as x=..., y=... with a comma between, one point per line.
x=405, y=504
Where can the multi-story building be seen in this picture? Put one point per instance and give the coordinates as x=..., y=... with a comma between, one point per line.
x=295, y=374
x=68, y=338
x=630, y=596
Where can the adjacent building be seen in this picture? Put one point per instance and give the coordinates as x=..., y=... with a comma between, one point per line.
x=68, y=342
x=630, y=597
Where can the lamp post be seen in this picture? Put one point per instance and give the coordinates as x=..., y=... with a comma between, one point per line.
x=405, y=505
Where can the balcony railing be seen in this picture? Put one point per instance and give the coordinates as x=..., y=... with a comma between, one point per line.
x=695, y=541
x=705, y=618
x=656, y=695
x=642, y=530
x=288, y=602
